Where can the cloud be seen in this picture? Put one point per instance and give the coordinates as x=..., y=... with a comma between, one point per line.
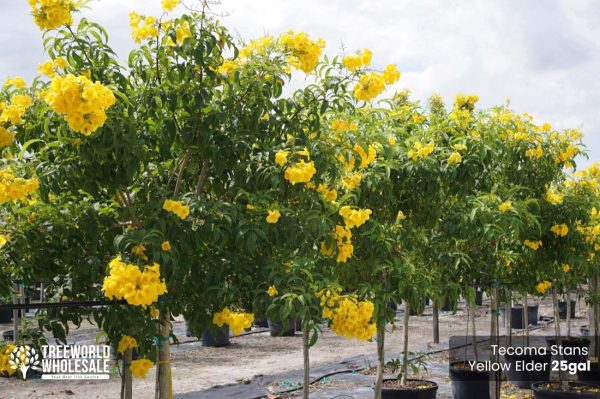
x=544, y=56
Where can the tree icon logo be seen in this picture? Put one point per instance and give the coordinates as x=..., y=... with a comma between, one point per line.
x=24, y=358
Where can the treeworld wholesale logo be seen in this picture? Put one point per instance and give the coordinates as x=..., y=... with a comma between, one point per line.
x=63, y=362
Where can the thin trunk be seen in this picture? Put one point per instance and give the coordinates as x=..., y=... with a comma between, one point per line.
x=473, y=330
x=165, y=383
x=569, y=314
x=526, y=319
x=494, y=332
x=380, y=360
x=436, y=322
x=595, y=316
x=405, y=344
x=557, y=333
x=305, y=348
x=508, y=313
x=15, y=301
x=126, y=383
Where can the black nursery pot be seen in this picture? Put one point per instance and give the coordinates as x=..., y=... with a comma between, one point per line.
x=469, y=384
x=562, y=309
x=218, y=338
x=8, y=335
x=591, y=376
x=573, y=342
x=542, y=391
x=516, y=316
x=429, y=392
x=523, y=379
x=262, y=322
x=278, y=329
x=478, y=297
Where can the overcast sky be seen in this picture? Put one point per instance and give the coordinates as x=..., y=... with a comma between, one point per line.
x=542, y=54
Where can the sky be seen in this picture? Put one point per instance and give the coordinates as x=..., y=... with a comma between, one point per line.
x=544, y=55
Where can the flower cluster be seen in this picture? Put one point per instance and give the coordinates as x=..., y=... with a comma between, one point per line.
x=52, y=14
x=81, y=101
x=139, y=368
x=365, y=159
x=6, y=368
x=169, y=5
x=300, y=172
x=14, y=112
x=272, y=291
x=535, y=245
x=554, y=197
x=560, y=230
x=15, y=188
x=420, y=151
x=454, y=158
x=182, y=32
x=304, y=52
x=543, y=286
x=18, y=82
x=359, y=60
x=125, y=343
x=281, y=157
x=340, y=124
x=373, y=84
x=328, y=194
x=535, y=152
x=343, y=238
x=6, y=137
x=351, y=180
x=129, y=282
x=349, y=317
x=237, y=321
x=139, y=31
x=177, y=208
x=49, y=68
x=354, y=217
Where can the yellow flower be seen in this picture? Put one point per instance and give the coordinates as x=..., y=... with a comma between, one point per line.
x=326, y=251
x=47, y=68
x=565, y=267
x=420, y=151
x=328, y=194
x=81, y=101
x=554, y=197
x=543, y=286
x=365, y=159
x=177, y=208
x=147, y=31
x=169, y=5
x=535, y=152
x=340, y=125
x=139, y=251
x=60, y=63
x=139, y=368
x=454, y=158
x=354, y=217
x=400, y=217
x=129, y=282
x=349, y=317
x=272, y=291
x=17, y=82
x=14, y=188
x=303, y=153
x=182, y=32
x=237, y=321
x=535, y=245
x=125, y=343
x=52, y=14
x=505, y=206
x=459, y=147
x=560, y=230
x=359, y=60
x=369, y=86
x=250, y=207
x=166, y=246
x=273, y=216
x=303, y=53
x=6, y=137
x=391, y=140
x=4, y=239
x=281, y=157
x=391, y=74
x=300, y=172
x=154, y=312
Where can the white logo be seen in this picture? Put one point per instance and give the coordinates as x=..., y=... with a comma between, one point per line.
x=24, y=358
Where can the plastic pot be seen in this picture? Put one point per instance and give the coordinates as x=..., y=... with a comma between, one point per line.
x=523, y=379
x=592, y=376
x=408, y=392
x=281, y=329
x=418, y=310
x=469, y=384
x=262, y=322
x=8, y=335
x=573, y=342
x=516, y=316
x=218, y=337
x=562, y=309
x=552, y=390
x=447, y=305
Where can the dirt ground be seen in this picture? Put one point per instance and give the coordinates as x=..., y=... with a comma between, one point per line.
x=195, y=367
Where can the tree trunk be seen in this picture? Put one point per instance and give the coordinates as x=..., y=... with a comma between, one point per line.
x=508, y=318
x=165, y=387
x=557, y=333
x=15, y=301
x=569, y=313
x=305, y=348
x=126, y=383
x=436, y=322
x=526, y=319
x=405, y=343
x=474, y=330
x=494, y=332
x=380, y=359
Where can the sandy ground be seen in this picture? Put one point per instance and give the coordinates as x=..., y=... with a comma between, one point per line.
x=195, y=367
